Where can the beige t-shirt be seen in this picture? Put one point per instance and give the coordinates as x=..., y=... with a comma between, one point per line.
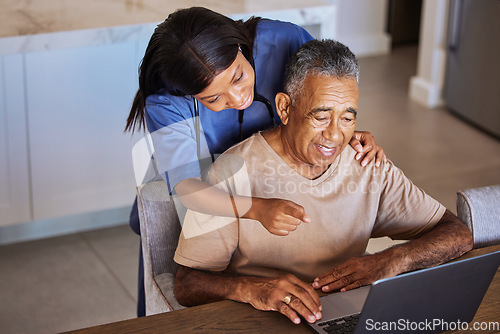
x=347, y=205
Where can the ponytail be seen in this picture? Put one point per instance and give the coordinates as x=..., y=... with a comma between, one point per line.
x=136, y=119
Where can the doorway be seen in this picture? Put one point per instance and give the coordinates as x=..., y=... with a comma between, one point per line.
x=403, y=21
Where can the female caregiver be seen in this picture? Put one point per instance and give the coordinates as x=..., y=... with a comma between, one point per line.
x=205, y=84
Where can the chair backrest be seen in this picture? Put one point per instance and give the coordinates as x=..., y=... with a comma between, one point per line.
x=160, y=230
x=479, y=208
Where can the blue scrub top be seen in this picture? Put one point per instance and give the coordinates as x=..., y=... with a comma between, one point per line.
x=170, y=119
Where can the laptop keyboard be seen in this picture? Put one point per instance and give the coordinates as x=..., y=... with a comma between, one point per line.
x=340, y=325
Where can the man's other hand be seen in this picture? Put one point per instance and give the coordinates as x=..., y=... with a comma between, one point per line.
x=354, y=273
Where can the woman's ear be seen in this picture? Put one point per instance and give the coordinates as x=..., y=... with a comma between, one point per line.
x=283, y=105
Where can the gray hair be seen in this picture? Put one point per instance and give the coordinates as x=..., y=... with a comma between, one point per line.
x=326, y=57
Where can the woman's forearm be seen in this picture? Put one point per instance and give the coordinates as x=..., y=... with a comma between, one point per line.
x=278, y=216
x=199, y=196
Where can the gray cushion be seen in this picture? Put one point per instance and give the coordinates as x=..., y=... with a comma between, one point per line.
x=160, y=230
x=479, y=208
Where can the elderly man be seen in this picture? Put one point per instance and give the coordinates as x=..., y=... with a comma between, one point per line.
x=308, y=160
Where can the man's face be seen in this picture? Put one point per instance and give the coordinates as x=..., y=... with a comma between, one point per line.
x=321, y=123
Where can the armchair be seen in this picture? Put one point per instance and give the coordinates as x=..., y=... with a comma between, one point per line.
x=479, y=208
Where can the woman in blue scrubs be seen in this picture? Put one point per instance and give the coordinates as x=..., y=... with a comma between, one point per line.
x=207, y=82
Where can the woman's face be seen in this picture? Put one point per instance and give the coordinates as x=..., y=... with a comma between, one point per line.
x=233, y=88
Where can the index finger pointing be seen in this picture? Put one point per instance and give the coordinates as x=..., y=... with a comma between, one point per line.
x=296, y=211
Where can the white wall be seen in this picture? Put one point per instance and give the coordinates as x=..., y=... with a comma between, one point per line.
x=361, y=25
x=427, y=86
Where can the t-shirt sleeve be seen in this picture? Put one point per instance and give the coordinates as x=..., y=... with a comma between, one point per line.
x=405, y=211
x=207, y=242
x=172, y=129
x=208, y=251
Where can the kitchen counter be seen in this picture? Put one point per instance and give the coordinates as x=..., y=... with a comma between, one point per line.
x=35, y=25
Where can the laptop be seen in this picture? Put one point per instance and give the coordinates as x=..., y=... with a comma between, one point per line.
x=431, y=300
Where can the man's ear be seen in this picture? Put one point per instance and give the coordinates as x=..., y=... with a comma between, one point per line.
x=283, y=106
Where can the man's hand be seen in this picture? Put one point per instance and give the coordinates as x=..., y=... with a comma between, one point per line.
x=364, y=143
x=447, y=240
x=356, y=272
x=268, y=294
x=278, y=216
x=195, y=287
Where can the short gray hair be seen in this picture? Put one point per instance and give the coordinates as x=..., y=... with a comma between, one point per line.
x=326, y=57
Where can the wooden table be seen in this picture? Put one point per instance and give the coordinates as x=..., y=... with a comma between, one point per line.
x=232, y=317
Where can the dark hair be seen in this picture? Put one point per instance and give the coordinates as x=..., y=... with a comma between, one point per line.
x=186, y=52
x=326, y=57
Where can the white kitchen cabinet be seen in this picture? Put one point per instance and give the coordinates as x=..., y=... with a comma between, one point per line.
x=77, y=101
x=14, y=174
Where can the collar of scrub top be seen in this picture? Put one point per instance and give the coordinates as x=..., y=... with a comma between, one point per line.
x=257, y=97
